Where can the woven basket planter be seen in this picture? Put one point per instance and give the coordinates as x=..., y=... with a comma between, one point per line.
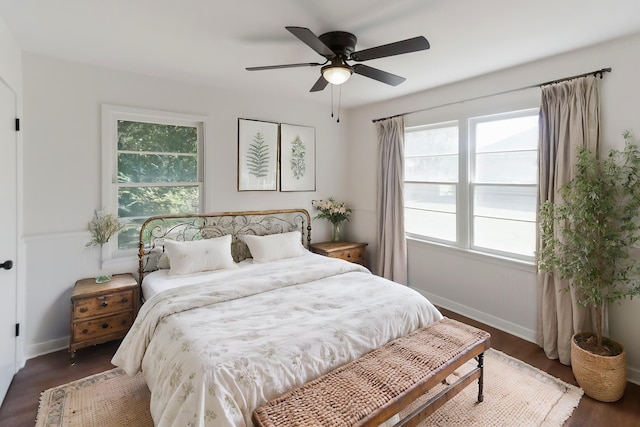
x=603, y=378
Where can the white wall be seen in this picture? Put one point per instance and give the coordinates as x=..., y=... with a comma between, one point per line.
x=495, y=292
x=11, y=64
x=62, y=168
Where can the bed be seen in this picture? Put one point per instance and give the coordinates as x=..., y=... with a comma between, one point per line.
x=245, y=312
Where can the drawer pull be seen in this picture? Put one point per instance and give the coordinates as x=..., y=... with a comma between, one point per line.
x=104, y=303
x=124, y=300
x=105, y=325
x=85, y=331
x=348, y=255
x=84, y=310
x=124, y=322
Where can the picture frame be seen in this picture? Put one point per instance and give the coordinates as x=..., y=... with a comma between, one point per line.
x=257, y=155
x=297, y=158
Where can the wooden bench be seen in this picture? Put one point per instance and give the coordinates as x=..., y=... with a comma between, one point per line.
x=378, y=385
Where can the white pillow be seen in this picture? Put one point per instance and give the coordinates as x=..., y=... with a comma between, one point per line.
x=199, y=255
x=273, y=247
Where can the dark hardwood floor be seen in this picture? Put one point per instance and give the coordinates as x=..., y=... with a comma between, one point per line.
x=21, y=403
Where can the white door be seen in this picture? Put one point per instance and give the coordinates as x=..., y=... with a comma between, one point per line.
x=8, y=236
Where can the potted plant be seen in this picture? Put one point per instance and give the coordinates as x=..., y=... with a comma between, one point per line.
x=599, y=223
x=102, y=227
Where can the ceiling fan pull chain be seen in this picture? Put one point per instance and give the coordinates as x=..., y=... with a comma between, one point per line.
x=332, y=100
x=339, y=99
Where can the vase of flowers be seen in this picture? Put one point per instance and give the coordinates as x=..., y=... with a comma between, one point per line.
x=335, y=212
x=102, y=227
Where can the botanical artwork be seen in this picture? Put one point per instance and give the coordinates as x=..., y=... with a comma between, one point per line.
x=298, y=158
x=297, y=147
x=257, y=155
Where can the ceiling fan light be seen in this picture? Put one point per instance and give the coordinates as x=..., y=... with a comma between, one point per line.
x=336, y=74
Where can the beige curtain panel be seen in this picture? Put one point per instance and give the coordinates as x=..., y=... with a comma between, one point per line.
x=569, y=118
x=392, y=245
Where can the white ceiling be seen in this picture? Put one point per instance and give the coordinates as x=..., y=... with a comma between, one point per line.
x=212, y=41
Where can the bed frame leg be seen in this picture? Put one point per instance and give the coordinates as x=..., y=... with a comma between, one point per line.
x=481, y=378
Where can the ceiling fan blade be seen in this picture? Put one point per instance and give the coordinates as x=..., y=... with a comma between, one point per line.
x=311, y=40
x=398, y=48
x=374, y=73
x=274, y=67
x=319, y=85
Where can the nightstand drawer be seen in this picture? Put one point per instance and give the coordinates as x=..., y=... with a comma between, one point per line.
x=102, y=326
x=103, y=304
x=353, y=255
x=347, y=251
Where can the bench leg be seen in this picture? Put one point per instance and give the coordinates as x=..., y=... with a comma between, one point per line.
x=480, y=359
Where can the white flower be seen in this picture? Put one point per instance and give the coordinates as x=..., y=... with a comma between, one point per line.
x=333, y=211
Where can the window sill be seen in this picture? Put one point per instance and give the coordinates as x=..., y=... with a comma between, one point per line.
x=527, y=266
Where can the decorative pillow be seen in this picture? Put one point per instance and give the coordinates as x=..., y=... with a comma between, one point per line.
x=199, y=255
x=273, y=247
x=163, y=261
x=239, y=250
x=151, y=259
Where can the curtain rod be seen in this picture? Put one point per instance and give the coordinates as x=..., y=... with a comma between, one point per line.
x=596, y=73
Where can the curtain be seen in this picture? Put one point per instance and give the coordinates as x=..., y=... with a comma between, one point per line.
x=569, y=118
x=392, y=245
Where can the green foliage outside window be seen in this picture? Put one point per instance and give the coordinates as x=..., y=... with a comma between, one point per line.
x=157, y=167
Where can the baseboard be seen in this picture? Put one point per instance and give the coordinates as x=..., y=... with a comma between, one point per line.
x=487, y=319
x=46, y=347
x=633, y=374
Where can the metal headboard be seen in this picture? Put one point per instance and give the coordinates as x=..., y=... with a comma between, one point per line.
x=157, y=229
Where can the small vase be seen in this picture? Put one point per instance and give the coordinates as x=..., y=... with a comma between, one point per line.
x=335, y=233
x=103, y=279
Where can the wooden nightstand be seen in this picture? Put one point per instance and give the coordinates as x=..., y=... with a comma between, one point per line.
x=347, y=251
x=102, y=312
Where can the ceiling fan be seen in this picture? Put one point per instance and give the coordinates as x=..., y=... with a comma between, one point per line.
x=338, y=47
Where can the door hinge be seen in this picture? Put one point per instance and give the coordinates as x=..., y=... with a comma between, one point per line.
x=17, y=329
x=17, y=125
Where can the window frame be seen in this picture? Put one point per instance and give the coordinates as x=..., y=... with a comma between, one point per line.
x=111, y=114
x=466, y=184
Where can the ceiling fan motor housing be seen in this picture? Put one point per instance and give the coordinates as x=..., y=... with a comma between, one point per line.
x=341, y=43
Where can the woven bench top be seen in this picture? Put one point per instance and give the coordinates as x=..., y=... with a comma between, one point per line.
x=357, y=391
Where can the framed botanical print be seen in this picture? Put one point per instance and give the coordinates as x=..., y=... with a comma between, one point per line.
x=297, y=158
x=257, y=155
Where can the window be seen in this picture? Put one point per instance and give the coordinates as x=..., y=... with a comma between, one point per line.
x=431, y=181
x=155, y=166
x=472, y=183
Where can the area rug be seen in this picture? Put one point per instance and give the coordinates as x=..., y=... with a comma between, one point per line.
x=515, y=394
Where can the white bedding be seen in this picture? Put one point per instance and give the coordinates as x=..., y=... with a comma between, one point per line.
x=214, y=350
x=160, y=280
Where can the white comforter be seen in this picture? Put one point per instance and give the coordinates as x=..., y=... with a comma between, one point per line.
x=213, y=351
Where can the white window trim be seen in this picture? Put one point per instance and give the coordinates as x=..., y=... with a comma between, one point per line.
x=110, y=116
